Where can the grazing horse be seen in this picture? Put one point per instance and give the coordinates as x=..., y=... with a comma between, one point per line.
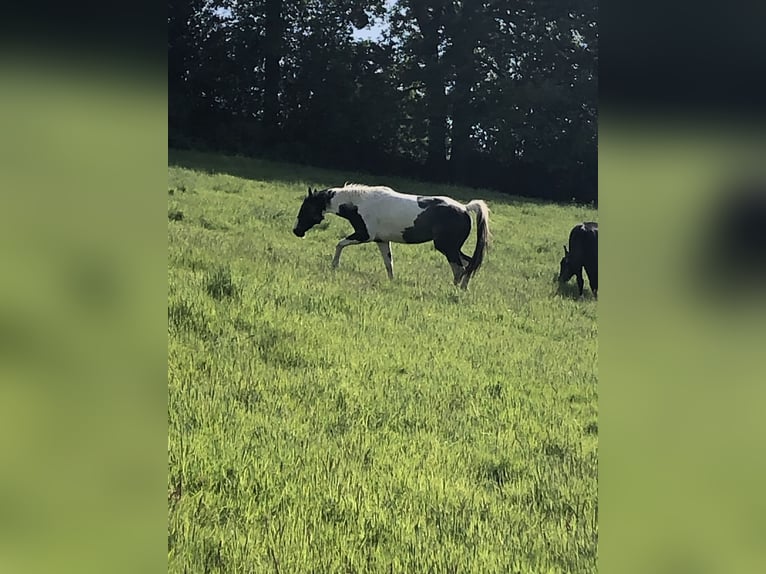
x=583, y=252
x=383, y=215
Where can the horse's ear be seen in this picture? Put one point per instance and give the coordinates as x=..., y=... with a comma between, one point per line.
x=310, y=192
x=565, y=251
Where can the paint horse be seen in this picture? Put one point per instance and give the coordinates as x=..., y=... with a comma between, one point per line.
x=383, y=215
x=582, y=252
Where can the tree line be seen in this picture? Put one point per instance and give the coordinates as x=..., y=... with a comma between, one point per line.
x=498, y=94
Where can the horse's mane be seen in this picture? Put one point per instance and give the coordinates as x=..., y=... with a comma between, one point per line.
x=361, y=189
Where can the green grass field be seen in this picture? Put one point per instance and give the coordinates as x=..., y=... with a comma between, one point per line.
x=335, y=421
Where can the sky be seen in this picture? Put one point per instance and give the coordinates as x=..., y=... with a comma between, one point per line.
x=373, y=32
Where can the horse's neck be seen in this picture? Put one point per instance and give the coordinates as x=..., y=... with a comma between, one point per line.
x=341, y=198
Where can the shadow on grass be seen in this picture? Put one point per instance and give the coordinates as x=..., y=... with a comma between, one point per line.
x=569, y=290
x=300, y=176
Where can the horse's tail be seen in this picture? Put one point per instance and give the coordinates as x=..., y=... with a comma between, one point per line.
x=482, y=235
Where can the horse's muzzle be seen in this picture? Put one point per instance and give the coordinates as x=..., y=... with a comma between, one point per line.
x=299, y=233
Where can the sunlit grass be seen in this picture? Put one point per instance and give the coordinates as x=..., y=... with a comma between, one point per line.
x=335, y=421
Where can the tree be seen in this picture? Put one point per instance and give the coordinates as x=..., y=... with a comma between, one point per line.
x=272, y=54
x=421, y=28
x=483, y=92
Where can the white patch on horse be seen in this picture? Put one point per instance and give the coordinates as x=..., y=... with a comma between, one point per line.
x=386, y=224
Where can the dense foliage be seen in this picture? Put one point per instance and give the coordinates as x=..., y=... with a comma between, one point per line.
x=483, y=93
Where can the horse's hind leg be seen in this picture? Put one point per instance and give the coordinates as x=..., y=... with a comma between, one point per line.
x=592, y=280
x=451, y=251
x=457, y=272
x=455, y=262
x=464, y=283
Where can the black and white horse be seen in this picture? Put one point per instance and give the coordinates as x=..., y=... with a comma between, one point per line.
x=383, y=215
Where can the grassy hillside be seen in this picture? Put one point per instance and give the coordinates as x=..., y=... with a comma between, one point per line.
x=335, y=421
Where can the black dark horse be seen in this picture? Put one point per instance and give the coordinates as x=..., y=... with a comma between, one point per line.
x=582, y=252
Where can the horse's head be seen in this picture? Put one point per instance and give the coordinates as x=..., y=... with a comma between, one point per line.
x=311, y=211
x=565, y=269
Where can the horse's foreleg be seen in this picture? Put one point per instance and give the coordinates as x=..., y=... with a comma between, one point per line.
x=388, y=259
x=341, y=245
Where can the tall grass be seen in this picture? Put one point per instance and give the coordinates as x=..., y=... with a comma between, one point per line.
x=336, y=421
